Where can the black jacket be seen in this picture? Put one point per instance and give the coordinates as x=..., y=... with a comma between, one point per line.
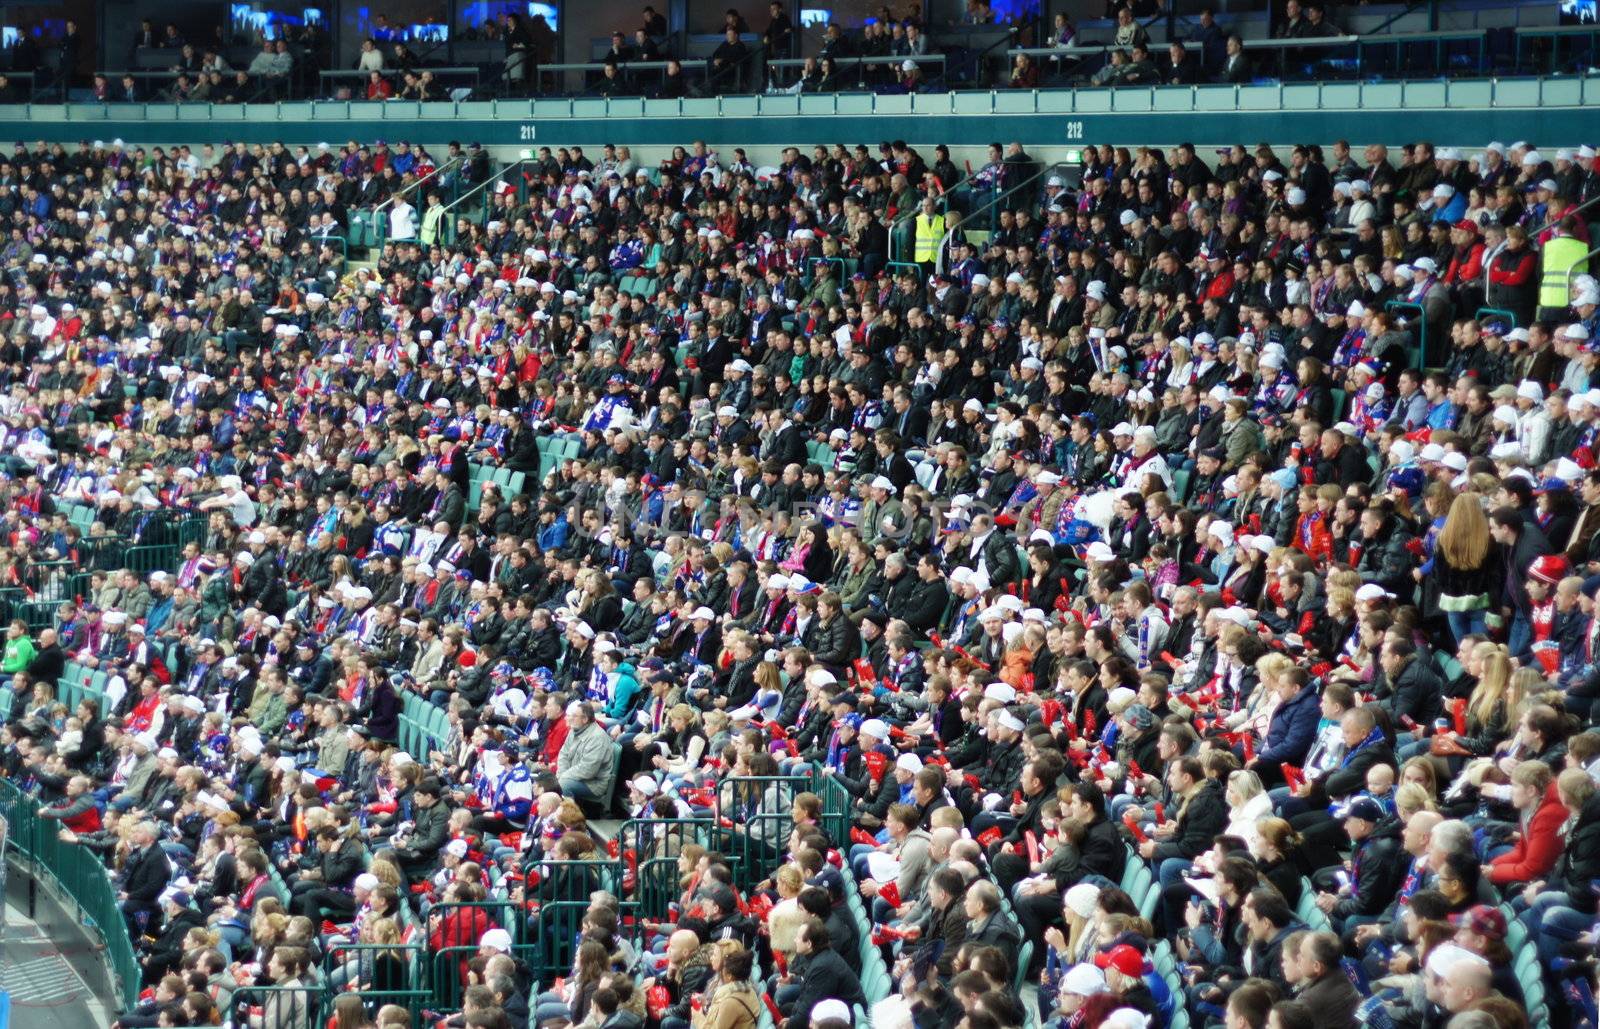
x=1380, y=866
x=822, y=976
x=1416, y=694
x=145, y=875
x=924, y=605
x=1580, y=859
x=1200, y=820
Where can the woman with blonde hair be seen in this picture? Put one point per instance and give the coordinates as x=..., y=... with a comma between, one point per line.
x=786, y=916
x=1248, y=803
x=1410, y=798
x=1490, y=714
x=733, y=1002
x=1463, y=566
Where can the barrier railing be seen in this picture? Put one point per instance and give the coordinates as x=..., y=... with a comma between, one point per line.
x=381, y=973
x=1420, y=355
x=836, y=806
x=652, y=847
x=82, y=879
x=548, y=939
x=282, y=1007
x=755, y=814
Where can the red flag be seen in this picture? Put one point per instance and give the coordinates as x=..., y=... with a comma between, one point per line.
x=1033, y=846
x=1458, y=711
x=1134, y=827
x=990, y=836
x=890, y=892
x=1293, y=777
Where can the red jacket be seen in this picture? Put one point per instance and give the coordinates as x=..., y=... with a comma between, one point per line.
x=461, y=928
x=1537, y=849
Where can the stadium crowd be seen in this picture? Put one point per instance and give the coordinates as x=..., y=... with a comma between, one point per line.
x=1173, y=606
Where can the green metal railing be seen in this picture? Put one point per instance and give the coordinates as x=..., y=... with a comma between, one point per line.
x=756, y=814
x=1420, y=356
x=283, y=1007
x=985, y=217
x=654, y=845
x=150, y=557
x=362, y=961
x=1509, y=316
x=379, y=216
x=81, y=878
x=479, y=194
x=836, y=813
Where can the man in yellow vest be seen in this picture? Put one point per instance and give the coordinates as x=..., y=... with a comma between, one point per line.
x=433, y=221
x=929, y=228
x=1562, y=253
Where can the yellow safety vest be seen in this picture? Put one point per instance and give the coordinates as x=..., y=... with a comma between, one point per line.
x=1557, y=259
x=430, y=224
x=930, y=230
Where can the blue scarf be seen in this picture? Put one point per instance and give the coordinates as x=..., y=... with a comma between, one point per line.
x=1372, y=737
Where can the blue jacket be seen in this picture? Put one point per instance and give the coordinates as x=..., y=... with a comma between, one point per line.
x=1453, y=211
x=1293, y=729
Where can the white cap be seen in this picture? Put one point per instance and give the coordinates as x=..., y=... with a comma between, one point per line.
x=1004, y=692
x=496, y=939
x=1527, y=389
x=883, y=483
x=703, y=613
x=645, y=785
x=831, y=1010
x=1080, y=900
x=1372, y=591
x=1011, y=721
x=908, y=763
x=875, y=728
x=1083, y=980
x=1505, y=413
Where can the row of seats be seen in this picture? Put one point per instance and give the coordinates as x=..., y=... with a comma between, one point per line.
x=510, y=483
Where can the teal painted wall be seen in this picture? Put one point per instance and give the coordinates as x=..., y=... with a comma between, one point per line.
x=1468, y=113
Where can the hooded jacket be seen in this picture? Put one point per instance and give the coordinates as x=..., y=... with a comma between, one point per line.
x=1379, y=864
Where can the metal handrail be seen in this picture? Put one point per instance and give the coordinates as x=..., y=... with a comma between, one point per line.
x=998, y=48
x=856, y=61
x=943, y=200
x=378, y=217
x=1000, y=195
x=1583, y=262
x=1533, y=237
x=357, y=73
x=450, y=208
x=686, y=64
